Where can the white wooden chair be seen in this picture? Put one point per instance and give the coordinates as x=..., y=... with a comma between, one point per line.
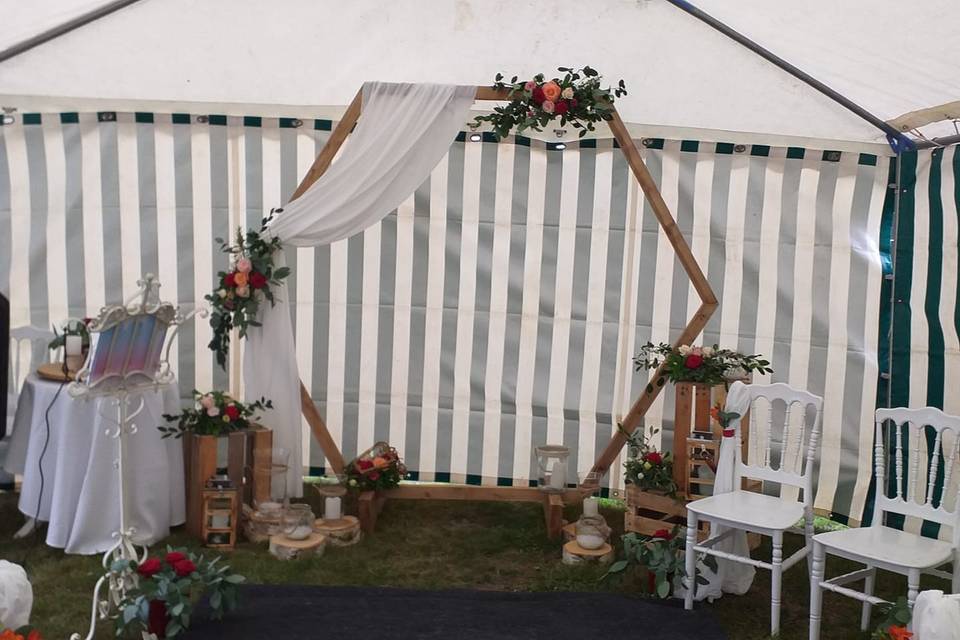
x=915, y=492
x=793, y=445
x=24, y=342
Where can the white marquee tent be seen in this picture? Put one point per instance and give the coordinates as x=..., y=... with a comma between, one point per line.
x=203, y=115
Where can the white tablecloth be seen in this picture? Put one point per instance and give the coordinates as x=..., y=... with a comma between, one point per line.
x=80, y=496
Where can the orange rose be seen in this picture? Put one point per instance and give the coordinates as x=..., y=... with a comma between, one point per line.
x=380, y=463
x=240, y=278
x=551, y=91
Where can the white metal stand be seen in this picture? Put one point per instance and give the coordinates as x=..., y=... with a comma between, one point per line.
x=124, y=386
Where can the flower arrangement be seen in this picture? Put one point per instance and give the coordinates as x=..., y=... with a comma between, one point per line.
x=214, y=414
x=244, y=287
x=577, y=98
x=662, y=556
x=72, y=327
x=896, y=617
x=707, y=365
x=376, y=469
x=23, y=633
x=166, y=589
x=646, y=468
x=724, y=418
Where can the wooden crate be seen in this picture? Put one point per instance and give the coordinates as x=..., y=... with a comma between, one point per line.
x=200, y=462
x=224, y=503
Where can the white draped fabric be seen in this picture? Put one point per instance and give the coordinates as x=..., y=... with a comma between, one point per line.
x=403, y=132
x=936, y=616
x=731, y=577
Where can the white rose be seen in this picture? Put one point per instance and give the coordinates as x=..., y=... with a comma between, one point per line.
x=707, y=352
x=684, y=349
x=222, y=293
x=567, y=93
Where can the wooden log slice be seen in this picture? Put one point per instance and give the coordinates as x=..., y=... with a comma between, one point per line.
x=339, y=533
x=285, y=549
x=575, y=554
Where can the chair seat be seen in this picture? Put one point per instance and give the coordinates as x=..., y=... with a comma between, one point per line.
x=750, y=509
x=886, y=545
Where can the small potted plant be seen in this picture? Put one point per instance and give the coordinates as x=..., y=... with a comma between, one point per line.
x=166, y=589
x=659, y=558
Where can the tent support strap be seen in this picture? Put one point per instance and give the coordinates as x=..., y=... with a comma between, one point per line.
x=898, y=141
x=61, y=29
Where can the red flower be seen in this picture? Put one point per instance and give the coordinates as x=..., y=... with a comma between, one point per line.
x=364, y=464
x=538, y=96
x=228, y=280
x=228, y=305
x=157, y=618
x=258, y=280
x=729, y=433
x=184, y=568
x=693, y=361
x=561, y=107
x=375, y=475
x=653, y=457
x=174, y=557
x=232, y=412
x=662, y=534
x=150, y=567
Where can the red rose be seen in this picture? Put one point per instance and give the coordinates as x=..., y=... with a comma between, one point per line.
x=232, y=412
x=228, y=305
x=174, y=557
x=653, y=457
x=375, y=475
x=150, y=567
x=538, y=96
x=693, y=361
x=258, y=280
x=364, y=464
x=561, y=107
x=228, y=280
x=662, y=534
x=184, y=568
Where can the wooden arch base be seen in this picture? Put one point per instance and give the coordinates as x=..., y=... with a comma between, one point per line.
x=371, y=504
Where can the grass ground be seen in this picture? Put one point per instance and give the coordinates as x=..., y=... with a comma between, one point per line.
x=434, y=545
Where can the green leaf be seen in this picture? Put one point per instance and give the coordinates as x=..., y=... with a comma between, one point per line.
x=663, y=588
x=617, y=566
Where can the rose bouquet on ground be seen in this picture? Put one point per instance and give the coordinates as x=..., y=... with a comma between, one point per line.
x=376, y=469
x=661, y=555
x=244, y=287
x=707, y=365
x=23, y=633
x=214, y=413
x=166, y=589
x=577, y=98
x=645, y=467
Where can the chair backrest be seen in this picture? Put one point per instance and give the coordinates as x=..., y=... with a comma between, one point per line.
x=922, y=447
x=23, y=340
x=784, y=436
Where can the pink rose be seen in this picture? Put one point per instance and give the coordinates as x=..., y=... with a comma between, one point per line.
x=244, y=265
x=207, y=401
x=213, y=412
x=530, y=85
x=548, y=106
x=244, y=291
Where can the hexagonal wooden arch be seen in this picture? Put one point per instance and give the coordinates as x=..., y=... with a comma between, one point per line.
x=371, y=504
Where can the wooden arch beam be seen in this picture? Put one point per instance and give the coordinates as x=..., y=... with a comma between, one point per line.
x=708, y=300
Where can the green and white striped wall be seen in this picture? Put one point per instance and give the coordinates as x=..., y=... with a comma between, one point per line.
x=500, y=305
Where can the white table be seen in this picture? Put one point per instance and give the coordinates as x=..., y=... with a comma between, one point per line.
x=80, y=498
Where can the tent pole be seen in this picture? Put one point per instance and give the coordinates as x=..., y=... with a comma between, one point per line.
x=61, y=29
x=898, y=141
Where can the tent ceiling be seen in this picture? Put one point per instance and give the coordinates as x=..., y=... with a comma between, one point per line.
x=681, y=73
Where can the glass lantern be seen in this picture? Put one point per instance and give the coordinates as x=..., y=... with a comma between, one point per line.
x=332, y=487
x=279, y=464
x=552, y=460
x=298, y=521
x=591, y=529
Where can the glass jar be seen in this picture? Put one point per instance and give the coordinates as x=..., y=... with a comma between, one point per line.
x=552, y=467
x=591, y=531
x=297, y=521
x=332, y=487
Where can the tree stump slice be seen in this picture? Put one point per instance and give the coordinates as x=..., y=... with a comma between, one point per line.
x=258, y=527
x=573, y=553
x=283, y=548
x=339, y=533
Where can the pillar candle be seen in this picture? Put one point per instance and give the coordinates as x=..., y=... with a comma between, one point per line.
x=73, y=345
x=558, y=478
x=331, y=509
x=591, y=507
